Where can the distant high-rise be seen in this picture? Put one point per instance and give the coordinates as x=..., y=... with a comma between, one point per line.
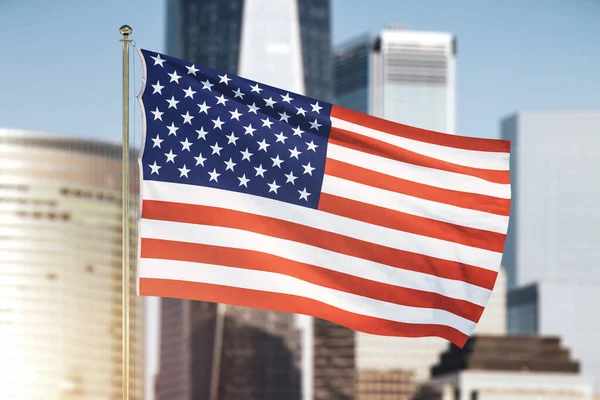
x=555, y=212
x=552, y=251
x=283, y=43
x=400, y=75
x=61, y=271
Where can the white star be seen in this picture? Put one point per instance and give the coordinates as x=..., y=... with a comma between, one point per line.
x=260, y=171
x=218, y=123
x=203, y=108
x=280, y=138
x=273, y=186
x=214, y=175
x=186, y=145
x=235, y=114
x=173, y=102
x=184, y=171
x=229, y=164
x=187, y=118
x=256, y=89
x=201, y=133
x=158, y=88
x=207, y=85
x=284, y=117
x=200, y=160
x=154, y=168
x=303, y=194
x=221, y=100
x=277, y=161
x=189, y=92
x=301, y=111
x=192, y=70
x=243, y=180
x=158, y=60
x=315, y=125
x=290, y=178
x=263, y=145
x=298, y=131
x=295, y=153
x=269, y=102
x=308, y=169
x=246, y=154
x=238, y=93
x=232, y=139
x=172, y=129
x=253, y=108
x=174, y=77
x=249, y=130
x=224, y=79
x=157, y=141
x=171, y=156
x=316, y=107
x=216, y=149
x=312, y=146
x=266, y=123
x=287, y=98
x=157, y=114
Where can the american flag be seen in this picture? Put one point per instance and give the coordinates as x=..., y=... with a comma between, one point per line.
x=259, y=197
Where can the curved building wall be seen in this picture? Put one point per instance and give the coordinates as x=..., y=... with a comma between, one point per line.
x=60, y=271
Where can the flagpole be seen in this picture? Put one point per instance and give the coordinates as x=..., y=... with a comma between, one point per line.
x=125, y=30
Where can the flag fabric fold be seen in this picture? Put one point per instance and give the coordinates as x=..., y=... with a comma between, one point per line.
x=259, y=197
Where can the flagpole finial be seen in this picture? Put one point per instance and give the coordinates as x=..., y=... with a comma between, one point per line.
x=125, y=30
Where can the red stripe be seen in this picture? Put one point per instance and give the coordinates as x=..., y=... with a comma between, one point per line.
x=248, y=259
x=203, y=215
x=294, y=304
x=410, y=223
x=422, y=135
x=378, y=148
x=473, y=201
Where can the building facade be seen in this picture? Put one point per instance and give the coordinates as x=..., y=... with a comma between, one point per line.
x=551, y=251
x=561, y=309
x=552, y=233
x=258, y=357
x=60, y=271
x=400, y=75
x=507, y=368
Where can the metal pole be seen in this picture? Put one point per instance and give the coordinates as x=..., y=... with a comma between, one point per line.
x=125, y=30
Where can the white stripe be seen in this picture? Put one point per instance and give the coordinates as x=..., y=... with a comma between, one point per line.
x=279, y=283
x=416, y=173
x=295, y=251
x=498, y=161
x=154, y=190
x=415, y=206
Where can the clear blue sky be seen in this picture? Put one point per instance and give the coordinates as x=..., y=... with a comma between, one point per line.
x=60, y=68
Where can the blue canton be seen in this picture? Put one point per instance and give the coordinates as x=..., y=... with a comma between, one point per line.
x=209, y=128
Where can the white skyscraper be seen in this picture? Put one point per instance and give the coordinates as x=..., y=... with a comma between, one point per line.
x=400, y=75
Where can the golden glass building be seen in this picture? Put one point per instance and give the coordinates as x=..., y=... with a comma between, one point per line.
x=60, y=271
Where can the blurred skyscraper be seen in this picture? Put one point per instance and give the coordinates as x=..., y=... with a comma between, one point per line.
x=259, y=359
x=283, y=43
x=400, y=75
x=552, y=253
x=60, y=271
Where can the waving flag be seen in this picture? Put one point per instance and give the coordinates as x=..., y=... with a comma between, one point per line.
x=258, y=197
